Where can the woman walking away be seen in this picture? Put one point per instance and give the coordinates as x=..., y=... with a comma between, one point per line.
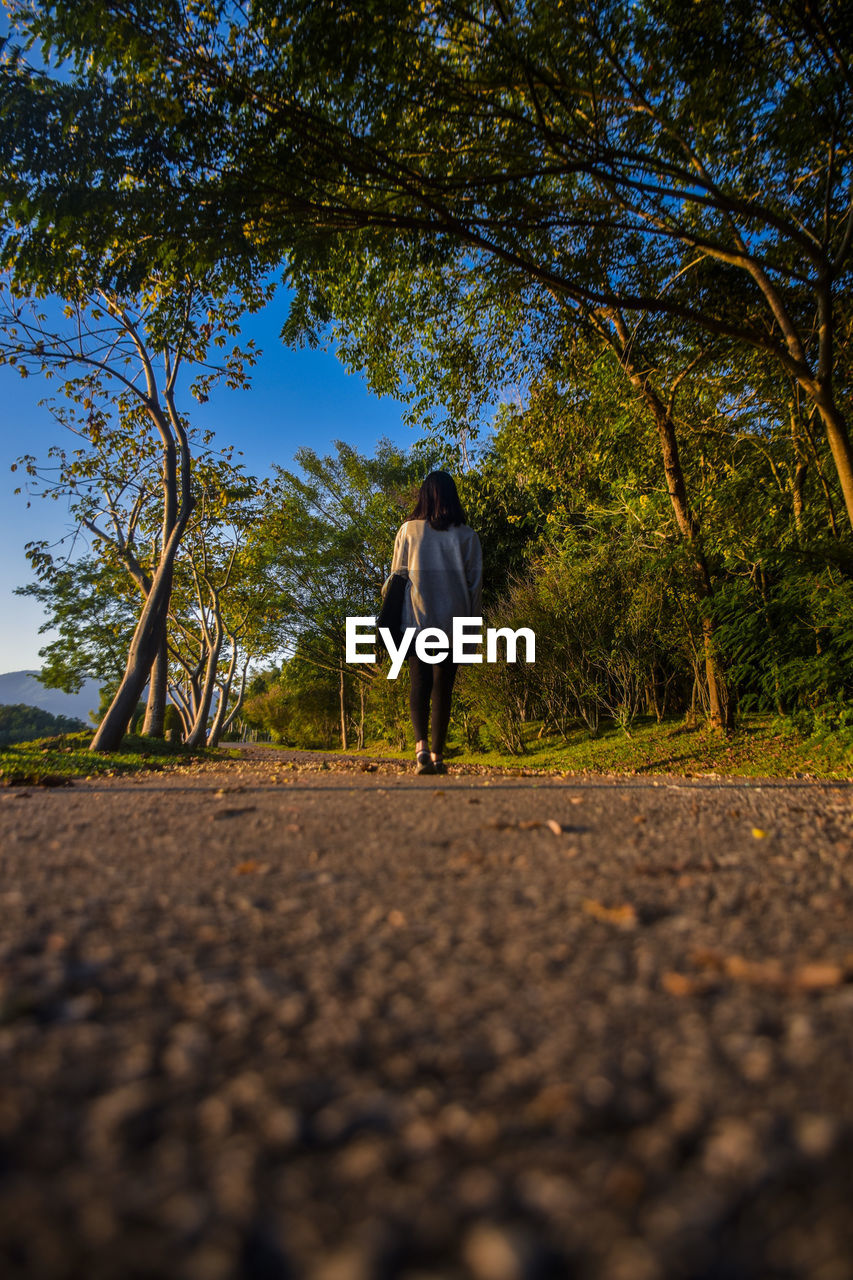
x=443, y=561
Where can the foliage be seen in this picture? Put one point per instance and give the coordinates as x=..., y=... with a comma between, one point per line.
x=613, y=285
x=763, y=747
x=461, y=187
x=298, y=708
x=88, y=604
x=20, y=723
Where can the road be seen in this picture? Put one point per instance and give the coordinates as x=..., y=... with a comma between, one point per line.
x=285, y=1016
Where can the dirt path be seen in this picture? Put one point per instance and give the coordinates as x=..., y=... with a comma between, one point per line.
x=284, y=1018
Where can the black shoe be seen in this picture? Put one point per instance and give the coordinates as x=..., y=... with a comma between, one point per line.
x=424, y=763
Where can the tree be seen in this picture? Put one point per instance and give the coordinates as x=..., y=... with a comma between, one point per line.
x=221, y=617
x=581, y=149
x=121, y=359
x=88, y=602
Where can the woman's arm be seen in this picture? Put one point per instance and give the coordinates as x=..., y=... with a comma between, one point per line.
x=474, y=574
x=399, y=560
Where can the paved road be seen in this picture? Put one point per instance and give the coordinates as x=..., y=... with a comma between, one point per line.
x=274, y=1019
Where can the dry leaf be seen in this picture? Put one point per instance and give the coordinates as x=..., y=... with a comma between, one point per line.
x=677, y=984
x=554, y=826
x=812, y=976
x=247, y=868
x=759, y=833
x=396, y=919
x=816, y=975
x=624, y=915
x=760, y=973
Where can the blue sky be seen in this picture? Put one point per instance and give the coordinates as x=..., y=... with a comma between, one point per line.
x=297, y=398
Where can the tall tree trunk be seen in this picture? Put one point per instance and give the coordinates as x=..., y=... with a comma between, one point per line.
x=155, y=712
x=238, y=705
x=180, y=704
x=224, y=687
x=824, y=483
x=149, y=631
x=361, y=715
x=719, y=705
x=143, y=650
x=838, y=439
x=198, y=734
x=343, y=713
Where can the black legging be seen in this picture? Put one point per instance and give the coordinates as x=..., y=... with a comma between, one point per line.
x=431, y=680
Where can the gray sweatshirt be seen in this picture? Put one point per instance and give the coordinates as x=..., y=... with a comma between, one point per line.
x=445, y=572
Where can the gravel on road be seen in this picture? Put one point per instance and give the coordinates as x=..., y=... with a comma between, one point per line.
x=285, y=1016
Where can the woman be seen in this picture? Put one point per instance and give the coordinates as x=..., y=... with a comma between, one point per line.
x=441, y=557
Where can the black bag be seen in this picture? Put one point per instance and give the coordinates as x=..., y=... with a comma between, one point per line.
x=391, y=613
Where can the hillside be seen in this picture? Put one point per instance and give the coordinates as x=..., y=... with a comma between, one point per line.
x=23, y=687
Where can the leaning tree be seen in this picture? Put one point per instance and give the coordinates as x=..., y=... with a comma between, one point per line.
x=125, y=361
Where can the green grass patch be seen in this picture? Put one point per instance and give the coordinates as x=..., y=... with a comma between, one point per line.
x=58, y=760
x=762, y=747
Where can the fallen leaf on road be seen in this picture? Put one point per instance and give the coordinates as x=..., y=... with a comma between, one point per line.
x=814, y=976
x=624, y=915
x=760, y=973
x=396, y=919
x=759, y=833
x=250, y=867
x=678, y=984
x=526, y=824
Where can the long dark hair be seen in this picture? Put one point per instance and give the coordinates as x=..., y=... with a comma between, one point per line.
x=438, y=502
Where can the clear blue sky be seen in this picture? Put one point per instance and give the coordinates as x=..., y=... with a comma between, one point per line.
x=297, y=398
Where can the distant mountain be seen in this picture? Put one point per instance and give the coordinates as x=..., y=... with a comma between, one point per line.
x=22, y=686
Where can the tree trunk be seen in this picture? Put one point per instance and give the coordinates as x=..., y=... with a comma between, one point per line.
x=361, y=715
x=143, y=650
x=720, y=711
x=155, y=712
x=198, y=734
x=224, y=688
x=149, y=631
x=343, y=713
x=238, y=705
x=838, y=439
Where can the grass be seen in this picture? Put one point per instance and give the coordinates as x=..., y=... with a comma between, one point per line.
x=761, y=747
x=57, y=760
